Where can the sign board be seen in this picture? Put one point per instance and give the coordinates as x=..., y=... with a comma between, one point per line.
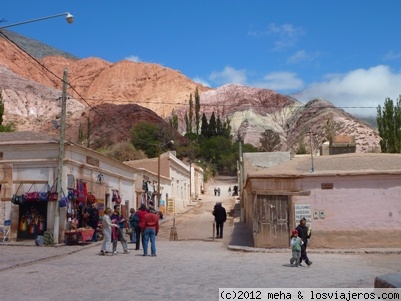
x=170, y=206
x=303, y=210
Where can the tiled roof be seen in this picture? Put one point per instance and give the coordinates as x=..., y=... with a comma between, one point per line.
x=26, y=137
x=335, y=165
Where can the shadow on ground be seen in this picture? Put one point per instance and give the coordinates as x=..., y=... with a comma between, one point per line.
x=241, y=235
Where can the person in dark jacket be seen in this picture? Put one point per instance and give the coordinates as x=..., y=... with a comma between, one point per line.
x=304, y=233
x=93, y=219
x=220, y=216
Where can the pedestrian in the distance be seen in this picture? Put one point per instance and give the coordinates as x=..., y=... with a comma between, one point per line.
x=220, y=216
x=296, y=244
x=304, y=233
x=107, y=225
x=229, y=191
x=93, y=220
x=150, y=232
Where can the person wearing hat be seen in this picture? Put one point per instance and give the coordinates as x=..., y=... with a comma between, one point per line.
x=220, y=216
x=296, y=244
x=304, y=233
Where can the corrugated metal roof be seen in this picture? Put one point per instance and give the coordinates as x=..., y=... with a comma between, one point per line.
x=335, y=165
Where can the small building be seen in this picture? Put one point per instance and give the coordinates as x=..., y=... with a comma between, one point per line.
x=350, y=201
x=340, y=144
x=174, y=195
x=29, y=163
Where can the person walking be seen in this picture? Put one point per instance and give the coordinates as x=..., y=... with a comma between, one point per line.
x=107, y=225
x=296, y=244
x=220, y=216
x=120, y=221
x=141, y=225
x=150, y=231
x=304, y=233
x=133, y=224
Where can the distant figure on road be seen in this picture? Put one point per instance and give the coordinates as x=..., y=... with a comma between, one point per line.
x=229, y=191
x=215, y=191
x=218, y=191
x=304, y=233
x=220, y=216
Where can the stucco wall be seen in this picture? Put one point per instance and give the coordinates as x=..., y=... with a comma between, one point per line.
x=360, y=211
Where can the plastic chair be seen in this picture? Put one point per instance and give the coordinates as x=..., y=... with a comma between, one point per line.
x=6, y=230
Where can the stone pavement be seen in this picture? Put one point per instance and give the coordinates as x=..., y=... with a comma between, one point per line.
x=192, y=268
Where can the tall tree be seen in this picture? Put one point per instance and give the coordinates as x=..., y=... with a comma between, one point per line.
x=269, y=141
x=204, y=127
x=219, y=126
x=174, y=120
x=330, y=129
x=1, y=108
x=197, y=111
x=88, y=134
x=190, y=114
x=212, y=126
x=389, y=125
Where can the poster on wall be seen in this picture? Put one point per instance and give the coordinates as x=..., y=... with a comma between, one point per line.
x=303, y=210
x=32, y=220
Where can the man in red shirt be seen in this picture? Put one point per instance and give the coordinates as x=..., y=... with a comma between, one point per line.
x=151, y=228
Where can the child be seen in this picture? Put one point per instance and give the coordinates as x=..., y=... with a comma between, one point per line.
x=296, y=244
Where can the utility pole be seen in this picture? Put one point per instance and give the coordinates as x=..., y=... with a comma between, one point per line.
x=60, y=157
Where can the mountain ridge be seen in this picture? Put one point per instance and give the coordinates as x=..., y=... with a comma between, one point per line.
x=152, y=89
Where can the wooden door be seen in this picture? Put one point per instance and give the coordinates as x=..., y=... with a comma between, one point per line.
x=273, y=224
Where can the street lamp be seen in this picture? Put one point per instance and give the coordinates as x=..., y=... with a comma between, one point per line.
x=159, y=147
x=68, y=17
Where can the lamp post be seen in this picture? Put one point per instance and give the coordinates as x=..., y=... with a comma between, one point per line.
x=159, y=147
x=68, y=17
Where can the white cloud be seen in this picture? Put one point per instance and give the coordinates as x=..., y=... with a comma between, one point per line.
x=391, y=55
x=133, y=58
x=356, y=90
x=302, y=56
x=287, y=35
x=201, y=81
x=280, y=81
x=287, y=81
x=228, y=76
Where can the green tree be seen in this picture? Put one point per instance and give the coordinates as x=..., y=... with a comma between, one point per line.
x=204, y=127
x=80, y=134
x=124, y=151
x=212, y=128
x=173, y=121
x=330, y=129
x=197, y=111
x=219, y=126
x=4, y=127
x=148, y=136
x=389, y=125
x=88, y=134
x=269, y=141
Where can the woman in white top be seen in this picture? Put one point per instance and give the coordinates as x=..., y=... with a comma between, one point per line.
x=107, y=224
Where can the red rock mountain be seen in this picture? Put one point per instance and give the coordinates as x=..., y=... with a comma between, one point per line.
x=117, y=95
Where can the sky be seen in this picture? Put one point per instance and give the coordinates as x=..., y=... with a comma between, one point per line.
x=347, y=52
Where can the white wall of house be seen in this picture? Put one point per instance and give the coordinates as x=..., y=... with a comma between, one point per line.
x=37, y=162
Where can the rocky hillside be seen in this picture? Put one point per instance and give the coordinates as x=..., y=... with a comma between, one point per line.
x=126, y=92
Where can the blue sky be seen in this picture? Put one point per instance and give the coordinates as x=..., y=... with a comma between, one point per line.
x=345, y=51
